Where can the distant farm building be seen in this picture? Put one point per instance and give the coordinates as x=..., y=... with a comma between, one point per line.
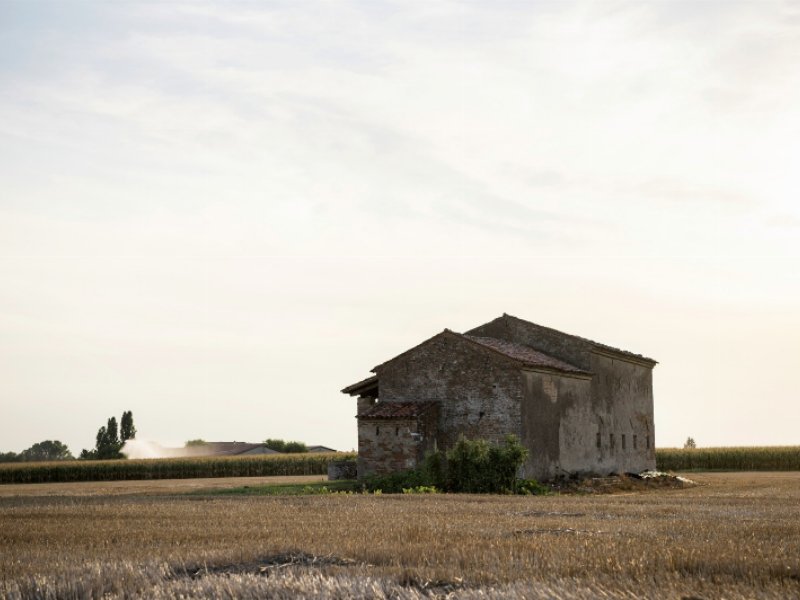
x=320, y=449
x=577, y=405
x=227, y=449
x=240, y=449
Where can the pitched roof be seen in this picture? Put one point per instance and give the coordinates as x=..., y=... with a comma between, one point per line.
x=583, y=339
x=445, y=332
x=227, y=449
x=520, y=353
x=397, y=410
x=370, y=384
x=320, y=449
x=525, y=354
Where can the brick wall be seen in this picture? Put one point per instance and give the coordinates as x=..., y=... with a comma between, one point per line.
x=480, y=394
x=386, y=446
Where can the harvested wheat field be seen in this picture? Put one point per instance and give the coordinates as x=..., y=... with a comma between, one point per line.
x=147, y=486
x=737, y=535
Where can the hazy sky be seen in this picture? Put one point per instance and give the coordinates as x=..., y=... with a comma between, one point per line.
x=217, y=215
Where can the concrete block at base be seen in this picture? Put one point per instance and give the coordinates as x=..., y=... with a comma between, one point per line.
x=342, y=469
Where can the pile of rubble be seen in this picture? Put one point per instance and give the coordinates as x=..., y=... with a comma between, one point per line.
x=628, y=482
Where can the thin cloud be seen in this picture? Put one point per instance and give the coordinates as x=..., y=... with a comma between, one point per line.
x=784, y=221
x=195, y=194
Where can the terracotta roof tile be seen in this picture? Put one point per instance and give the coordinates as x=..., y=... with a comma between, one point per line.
x=524, y=354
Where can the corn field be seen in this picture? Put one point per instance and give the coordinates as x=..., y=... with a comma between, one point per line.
x=735, y=458
x=757, y=458
x=169, y=468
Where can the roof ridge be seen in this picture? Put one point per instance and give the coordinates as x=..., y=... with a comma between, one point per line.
x=445, y=331
x=551, y=362
x=583, y=339
x=474, y=338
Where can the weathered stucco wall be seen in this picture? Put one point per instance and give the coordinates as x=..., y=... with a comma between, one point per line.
x=555, y=411
x=480, y=394
x=622, y=402
x=598, y=425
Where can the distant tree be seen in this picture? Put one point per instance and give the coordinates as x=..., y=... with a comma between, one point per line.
x=107, y=443
x=197, y=442
x=6, y=457
x=47, y=450
x=127, y=430
x=295, y=447
x=277, y=445
x=99, y=442
x=87, y=455
x=284, y=446
x=690, y=443
x=112, y=431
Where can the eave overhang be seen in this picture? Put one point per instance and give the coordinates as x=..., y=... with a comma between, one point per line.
x=365, y=387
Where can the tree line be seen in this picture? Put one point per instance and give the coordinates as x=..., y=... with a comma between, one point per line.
x=108, y=443
x=41, y=451
x=278, y=445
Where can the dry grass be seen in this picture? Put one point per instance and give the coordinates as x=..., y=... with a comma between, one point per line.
x=158, y=486
x=737, y=535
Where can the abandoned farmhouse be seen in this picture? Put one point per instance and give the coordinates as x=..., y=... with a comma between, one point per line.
x=578, y=406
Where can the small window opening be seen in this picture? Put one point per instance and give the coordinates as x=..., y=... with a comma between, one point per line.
x=378, y=430
x=623, y=441
x=647, y=440
x=599, y=440
x=397, y=431
x=611, y=439
x=635, y=440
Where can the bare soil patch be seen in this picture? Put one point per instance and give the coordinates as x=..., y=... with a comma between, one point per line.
x=615, y=484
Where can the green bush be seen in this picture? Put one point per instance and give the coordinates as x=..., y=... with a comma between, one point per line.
x=475, y=466
x=531, y=487
x=471, y=466
x=395, y=483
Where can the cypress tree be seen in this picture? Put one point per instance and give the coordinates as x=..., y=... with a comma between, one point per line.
x=127, y=428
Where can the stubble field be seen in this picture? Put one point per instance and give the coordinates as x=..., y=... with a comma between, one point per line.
x=737, y=535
